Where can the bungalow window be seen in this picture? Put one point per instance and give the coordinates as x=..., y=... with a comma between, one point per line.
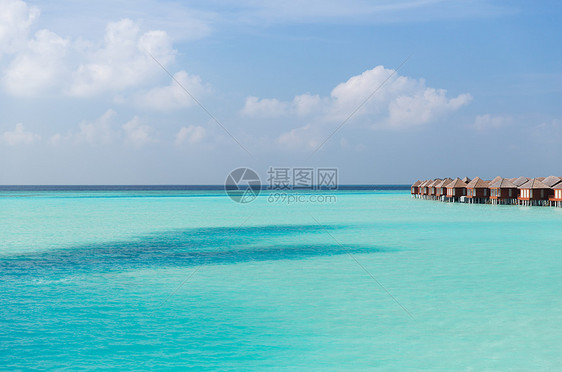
x=510, y=193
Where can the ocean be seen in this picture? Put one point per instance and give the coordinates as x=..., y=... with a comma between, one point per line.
x=133, y=278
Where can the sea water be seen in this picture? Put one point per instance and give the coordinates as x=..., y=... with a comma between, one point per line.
x=175, y=279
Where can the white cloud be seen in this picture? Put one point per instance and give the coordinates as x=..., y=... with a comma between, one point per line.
x=305, y=138
x=19, y=136
x=400, y=102
x=84, y=68
x=105, y=131
x=16, y=18
x=396, y=102
x=136, y=133
x=266, y=107
x=99, y=132
x=173, y=96
x=301, y=105
x=488, y=121
x=122, y=61
x=37, y=67
x=191, y=134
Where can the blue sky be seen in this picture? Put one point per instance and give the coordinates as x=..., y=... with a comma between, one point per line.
x=478, y=92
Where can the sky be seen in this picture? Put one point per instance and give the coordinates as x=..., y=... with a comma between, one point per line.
x=170, y=92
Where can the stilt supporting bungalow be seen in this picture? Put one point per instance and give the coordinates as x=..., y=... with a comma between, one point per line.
x=503, y=191
x=455, y=190
x=415, y=188
x=534, y=192
x=477, y=191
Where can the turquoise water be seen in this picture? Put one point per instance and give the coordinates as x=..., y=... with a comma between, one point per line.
x=191, y=280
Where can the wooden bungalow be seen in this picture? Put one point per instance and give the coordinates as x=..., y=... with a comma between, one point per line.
x=420, y=188
x=556, y=199
x=477, y=191
x=424, y=189
x=433, y=188
x=441, y=188
x=534, y=192
x=503, y=191
x=415, y=187
x=455, y=189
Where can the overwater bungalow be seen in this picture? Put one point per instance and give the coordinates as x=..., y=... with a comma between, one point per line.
x=455, y=189
x=466, y=180
x=441, y=188
x=415, y=187
x=556, y=199
x=534, y=192
x=477, y=191
x=503, y=191
x=423, y=188
x=433, y=188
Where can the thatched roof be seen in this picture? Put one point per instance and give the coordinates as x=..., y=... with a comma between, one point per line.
x=457, y=182
x=519, y=181
x=466, y=180
x=540, y=178
x=417, y=183
x=551, y=181
x=534, y=184
x=502, y=183
x=477, y=183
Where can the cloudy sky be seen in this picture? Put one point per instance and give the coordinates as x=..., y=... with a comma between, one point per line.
x=387, y=91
